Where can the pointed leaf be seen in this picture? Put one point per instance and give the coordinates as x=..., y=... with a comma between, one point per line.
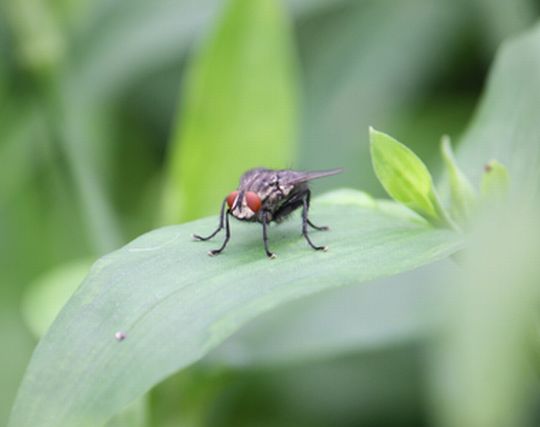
x=405, y=177
x=160, y=303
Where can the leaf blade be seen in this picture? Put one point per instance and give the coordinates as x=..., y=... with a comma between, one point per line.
x=174, y=303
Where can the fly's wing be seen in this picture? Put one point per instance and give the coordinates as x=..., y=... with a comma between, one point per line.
x=275, y=187
x=290, y=177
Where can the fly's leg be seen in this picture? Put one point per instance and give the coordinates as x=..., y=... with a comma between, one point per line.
x=305, y=222
x=220, y=226
x=265, y=237
x=227, y=236
x=316, y=227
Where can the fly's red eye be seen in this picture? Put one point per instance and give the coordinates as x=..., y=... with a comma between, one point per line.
x=231, y=198
x=253, y=201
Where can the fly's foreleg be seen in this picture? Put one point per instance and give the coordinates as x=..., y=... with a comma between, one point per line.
x=220, y=226
x=227, y=237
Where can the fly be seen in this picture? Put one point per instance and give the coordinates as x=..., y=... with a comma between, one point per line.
x=266, y=195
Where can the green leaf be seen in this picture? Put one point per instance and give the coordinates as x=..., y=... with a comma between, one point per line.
x=495, y=181
x=377, y=316
x=42, y=302
x=485, y=367
x=405, y=177
x=462, y=192
x=174, y=303
x=239, y=110
x=506, y=125
x=485, y=373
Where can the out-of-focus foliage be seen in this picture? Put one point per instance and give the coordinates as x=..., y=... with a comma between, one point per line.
x=239, y=109
x=89, y=95
x=462, y=193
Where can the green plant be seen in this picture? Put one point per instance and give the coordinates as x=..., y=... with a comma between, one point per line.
x=174, y=304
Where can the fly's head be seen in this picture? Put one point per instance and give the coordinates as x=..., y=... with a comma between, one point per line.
x=244, y=205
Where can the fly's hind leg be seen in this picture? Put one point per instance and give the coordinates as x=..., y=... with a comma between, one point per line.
x=307, y=199
x=306, y=222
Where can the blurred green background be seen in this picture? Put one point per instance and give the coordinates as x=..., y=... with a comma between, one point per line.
x=97, y=102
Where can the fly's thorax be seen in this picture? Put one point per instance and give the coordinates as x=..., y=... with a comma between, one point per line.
x=270, y=190
x=268, y=184
x=275, y=192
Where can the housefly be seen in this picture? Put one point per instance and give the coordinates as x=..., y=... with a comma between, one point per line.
x=266, y=195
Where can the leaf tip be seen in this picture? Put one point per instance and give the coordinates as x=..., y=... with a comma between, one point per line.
x=495, y=180
x=373, y=133
x=446, y=143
